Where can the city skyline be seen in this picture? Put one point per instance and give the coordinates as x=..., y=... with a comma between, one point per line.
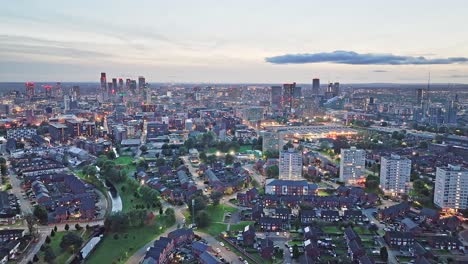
x=235, y=43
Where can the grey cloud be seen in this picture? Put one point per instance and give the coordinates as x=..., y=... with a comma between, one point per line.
x=354, y=58
x=380, y=71
x=36, y=46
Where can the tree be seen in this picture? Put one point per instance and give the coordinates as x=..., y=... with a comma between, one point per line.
x=35, y=258
x=373, y=228
x=216, y=196
x=55, y=228
x=111, y=155
x=144, y=149
x=31, y=222
x=229, y=159
x=71, y=239
x=202, y=219
x=40, y=212
x=339, y=143
x=200, y=201
x=160, y=162
x=52, y=233
x=271, y=154
x=288, y=145
x=272, y=171
x=67, y=227
x=78, y=227
x=384, y=253
x=295, y=251
x=47, y=240
x=49, y=255
x=203, y=156
x=324, y=145
x=4, y=169
x=170, y=213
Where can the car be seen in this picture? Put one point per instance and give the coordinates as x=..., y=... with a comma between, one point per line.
x=218, y=250
x=277, y=233
x=241, y=258
x=221, y=243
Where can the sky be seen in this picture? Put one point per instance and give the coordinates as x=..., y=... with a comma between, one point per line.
x=239, y=41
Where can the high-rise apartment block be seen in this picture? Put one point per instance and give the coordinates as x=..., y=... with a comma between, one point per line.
x=352, y=165
x=451, y=187
x=395, y=174
x=290, y=165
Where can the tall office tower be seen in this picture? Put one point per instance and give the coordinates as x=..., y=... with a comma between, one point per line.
x=121, y=85
x=133, y=85
x=451, y=187
x=336, y=89
x=29, y=90
x=395, y=174
x=127, y=84
x=419, y=96
x=110, y=88
x=66, y=102
x=47, y=90
x=114, y=85
x=141, y=83
x=352, y=165
x=58, y=90
x=315, y=86
x=276, y=95
x=451, y=112
x=103, y=83
x=297, y=92
x=287, y=101
x=75, y=92
x=330, y=88
x=435, y=115
x=290, y=165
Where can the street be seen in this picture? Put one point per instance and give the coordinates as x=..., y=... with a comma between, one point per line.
x=18, y=191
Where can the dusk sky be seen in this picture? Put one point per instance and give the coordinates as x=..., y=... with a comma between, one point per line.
x=235, y=41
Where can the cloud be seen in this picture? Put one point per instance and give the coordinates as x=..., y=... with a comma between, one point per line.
x=36, y=46
x=379, y=71
x=354, y=58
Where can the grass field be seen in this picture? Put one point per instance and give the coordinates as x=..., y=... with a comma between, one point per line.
x=244, y=149
x=113, y=250
x=331, y=229
x=214, y=229
x=61, y=255
x=124, y=160
x=240, y=226
x=217, y=212
x=322, y=192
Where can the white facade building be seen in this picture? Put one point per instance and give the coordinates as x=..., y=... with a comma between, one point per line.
x=290, y=165
x=395, y=174
x=352, y=165
x=451, y=187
